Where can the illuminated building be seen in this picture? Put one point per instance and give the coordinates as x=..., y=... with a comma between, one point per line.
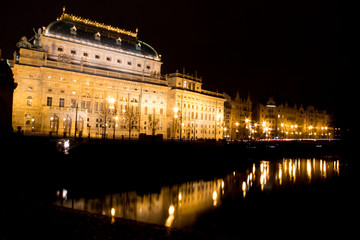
x=197, y=113
x=238, y=117
x=84, y=78
x=285, y=122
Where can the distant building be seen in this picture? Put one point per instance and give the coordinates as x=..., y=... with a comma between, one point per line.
x=84, y=78
x=285, y=122
x=238, y=117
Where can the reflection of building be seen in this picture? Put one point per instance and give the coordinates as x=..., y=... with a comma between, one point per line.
x=84, y=77
x=283, y=121
x=187, y=199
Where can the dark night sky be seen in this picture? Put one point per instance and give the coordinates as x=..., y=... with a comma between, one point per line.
x=302, y=51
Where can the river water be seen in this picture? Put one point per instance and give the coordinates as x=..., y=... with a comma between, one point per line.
x=217, y=202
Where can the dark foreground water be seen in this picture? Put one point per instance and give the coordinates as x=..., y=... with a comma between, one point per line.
x=292, y=193
x=185, y=190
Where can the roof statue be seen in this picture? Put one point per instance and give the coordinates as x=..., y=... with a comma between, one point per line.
x=24, y=43
x=36, y=41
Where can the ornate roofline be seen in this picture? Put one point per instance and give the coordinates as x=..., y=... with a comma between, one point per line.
x=70, y=17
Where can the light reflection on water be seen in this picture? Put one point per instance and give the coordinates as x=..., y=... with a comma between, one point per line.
x=180, y=205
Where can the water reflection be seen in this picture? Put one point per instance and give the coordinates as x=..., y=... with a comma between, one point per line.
x=181, y=205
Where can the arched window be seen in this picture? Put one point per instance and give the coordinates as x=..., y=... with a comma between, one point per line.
x=54, y=124
x=67, y=125
x=80, y=124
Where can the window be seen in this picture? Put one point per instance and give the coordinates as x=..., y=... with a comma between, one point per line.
x=97, y=56
x=73, y=103
x=96, y=108
x=60, y=49
x=61, y=102
x=97, y=36
x=85, y=54
x=147, y=67
x=118, y=41
x=139, y=65
x=29, y=101
x=185, y=84
x=119, y=61
x=73, y=30
x=129, y=63
x=73, y=52
x=49, y=101
x=108, y=58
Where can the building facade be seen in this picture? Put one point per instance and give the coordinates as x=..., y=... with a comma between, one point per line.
x=285, y=122
x=238, y=117
x=195, y=113
x=83, y=78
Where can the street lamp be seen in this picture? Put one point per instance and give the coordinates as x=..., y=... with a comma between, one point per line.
x=176, y=110
x=237, y=131
x=310, y=132
x=115, y=124
x=111, y=101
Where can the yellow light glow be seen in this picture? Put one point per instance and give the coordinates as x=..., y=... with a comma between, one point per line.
x=171, y=210
x=112, y=212
x=214, y=195
x=71, y=17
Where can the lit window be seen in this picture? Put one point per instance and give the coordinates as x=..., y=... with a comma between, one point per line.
x=185, y=84
x=118, y=41
x=97, y=36
x=73, y=30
